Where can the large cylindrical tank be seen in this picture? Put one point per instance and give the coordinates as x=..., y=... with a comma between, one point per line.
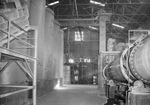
x=113, y=71
x=133, y=64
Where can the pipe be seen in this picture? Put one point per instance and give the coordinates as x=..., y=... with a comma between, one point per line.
x=113, y=71
x=139, y=61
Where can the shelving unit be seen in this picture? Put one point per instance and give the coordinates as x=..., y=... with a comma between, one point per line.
x=28, y=58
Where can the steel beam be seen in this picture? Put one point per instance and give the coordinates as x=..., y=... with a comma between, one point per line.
x=24, y=69
x=6, y=65
x=87, y=19
x=9, y=35
x=22, y=41
x=120, y=3
x=2, y=42
x=13, y=23
x=15, y=86
x=78, y=22
x=15, y=92
x=11, y=55
x=29, y=67
x=14, y=54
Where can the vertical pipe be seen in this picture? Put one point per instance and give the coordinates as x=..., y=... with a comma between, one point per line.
x=8, y=39
x=35, y=70
x=68, y=40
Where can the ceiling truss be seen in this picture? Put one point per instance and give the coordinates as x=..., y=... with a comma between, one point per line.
x=131, y=14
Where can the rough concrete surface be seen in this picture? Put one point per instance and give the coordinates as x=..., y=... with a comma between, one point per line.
x=50, y=46
x=73, y=95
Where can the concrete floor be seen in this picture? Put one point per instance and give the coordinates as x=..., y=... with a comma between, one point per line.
x=73, y=95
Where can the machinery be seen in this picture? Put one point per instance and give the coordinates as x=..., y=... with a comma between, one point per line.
x=128, y=76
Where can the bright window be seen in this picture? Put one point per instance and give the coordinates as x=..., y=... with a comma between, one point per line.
x=71, y=60
x=87, y=60
x=79, y=36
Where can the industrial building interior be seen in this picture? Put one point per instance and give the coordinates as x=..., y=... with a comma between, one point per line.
x=74, y=52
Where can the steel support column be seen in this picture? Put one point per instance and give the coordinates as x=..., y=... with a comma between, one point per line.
x=103, y=17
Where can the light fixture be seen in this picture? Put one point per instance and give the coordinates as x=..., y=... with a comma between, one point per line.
x=71, y=60
x=87, y=60
x=116, y=25
x=93, y=28
x=53, y=3
x=64, y=28
x=95, y=2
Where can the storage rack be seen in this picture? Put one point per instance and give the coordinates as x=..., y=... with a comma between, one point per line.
x=9, y=55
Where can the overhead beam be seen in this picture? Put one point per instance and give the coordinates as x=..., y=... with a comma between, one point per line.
x=133, y=3
x=78, y=22
x=87, y=22
x=117, y=14
x=88, y=19
x=70, y=24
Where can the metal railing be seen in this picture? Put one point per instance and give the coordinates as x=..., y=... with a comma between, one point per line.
x=29, y=42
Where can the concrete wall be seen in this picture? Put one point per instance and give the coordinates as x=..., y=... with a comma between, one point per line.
x=58, y=51
x=53, y=52
x=37, y=18
x=50, y=46
x=84, y=49
x=87, y=48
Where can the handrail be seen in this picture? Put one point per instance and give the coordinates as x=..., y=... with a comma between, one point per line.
x=26, y=60
x=8, y=36
x=2, y=15
x=16, y=38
